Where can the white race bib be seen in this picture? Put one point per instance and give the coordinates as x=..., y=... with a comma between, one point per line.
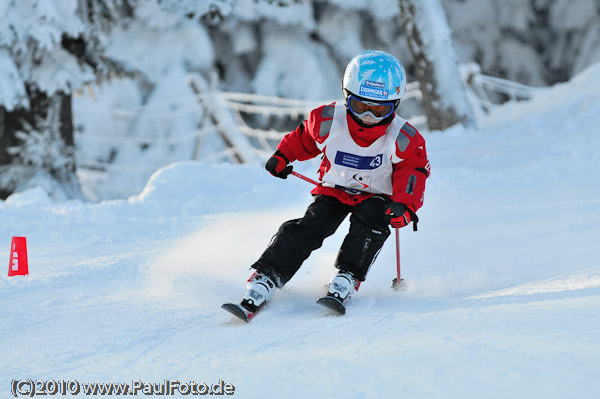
x=359, y=169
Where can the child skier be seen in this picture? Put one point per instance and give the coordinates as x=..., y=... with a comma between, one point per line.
x=374, y=168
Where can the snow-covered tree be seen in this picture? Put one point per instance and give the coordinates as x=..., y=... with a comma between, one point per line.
x=50, y=49
x=47, y=49
x=436, y=65
x=131, y=127
x=38, y=143
x=535, y=42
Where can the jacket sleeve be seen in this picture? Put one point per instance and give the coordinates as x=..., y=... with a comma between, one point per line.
x=410, y=174
x=301, y=144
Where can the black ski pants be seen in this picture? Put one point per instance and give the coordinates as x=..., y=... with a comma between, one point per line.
x=297, y=238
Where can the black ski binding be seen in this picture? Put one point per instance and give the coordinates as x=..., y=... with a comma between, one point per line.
x=332, y=303
x=240, y=311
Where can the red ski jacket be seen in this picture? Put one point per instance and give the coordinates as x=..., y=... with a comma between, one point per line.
x=408, y=177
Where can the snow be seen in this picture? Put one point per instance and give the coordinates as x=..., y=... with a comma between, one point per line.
x=503, y=277
x=42, y=22
x=291, y=61
x=294, y=14
x=12, y=88
x=383, y=10
x=146, y=45
x=59, y=71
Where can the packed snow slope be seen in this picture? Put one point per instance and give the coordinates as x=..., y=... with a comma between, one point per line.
x=503, y=277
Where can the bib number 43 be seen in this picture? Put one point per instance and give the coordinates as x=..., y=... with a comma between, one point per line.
x=375, y=162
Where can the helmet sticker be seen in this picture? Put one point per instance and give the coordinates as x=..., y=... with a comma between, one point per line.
x=371, y=92
x=370, y=83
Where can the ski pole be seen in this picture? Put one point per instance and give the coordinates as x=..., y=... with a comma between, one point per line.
x=397, y=282
x=305, y=178
x=398, y=252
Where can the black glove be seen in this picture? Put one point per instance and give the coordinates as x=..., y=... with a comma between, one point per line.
x=278, y=165
x=401, y=215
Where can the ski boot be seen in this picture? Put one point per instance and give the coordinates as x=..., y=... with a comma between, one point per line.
x=260, y=289
x=341, y=287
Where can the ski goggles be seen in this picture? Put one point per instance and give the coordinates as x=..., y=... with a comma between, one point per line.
x=380, y=110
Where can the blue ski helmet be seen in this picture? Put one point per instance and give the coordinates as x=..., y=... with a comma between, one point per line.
x=375, y=75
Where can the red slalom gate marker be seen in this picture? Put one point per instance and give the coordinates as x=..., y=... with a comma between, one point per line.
x=18, y=257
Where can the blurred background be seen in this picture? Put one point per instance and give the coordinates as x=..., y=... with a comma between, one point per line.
x=96, y=95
